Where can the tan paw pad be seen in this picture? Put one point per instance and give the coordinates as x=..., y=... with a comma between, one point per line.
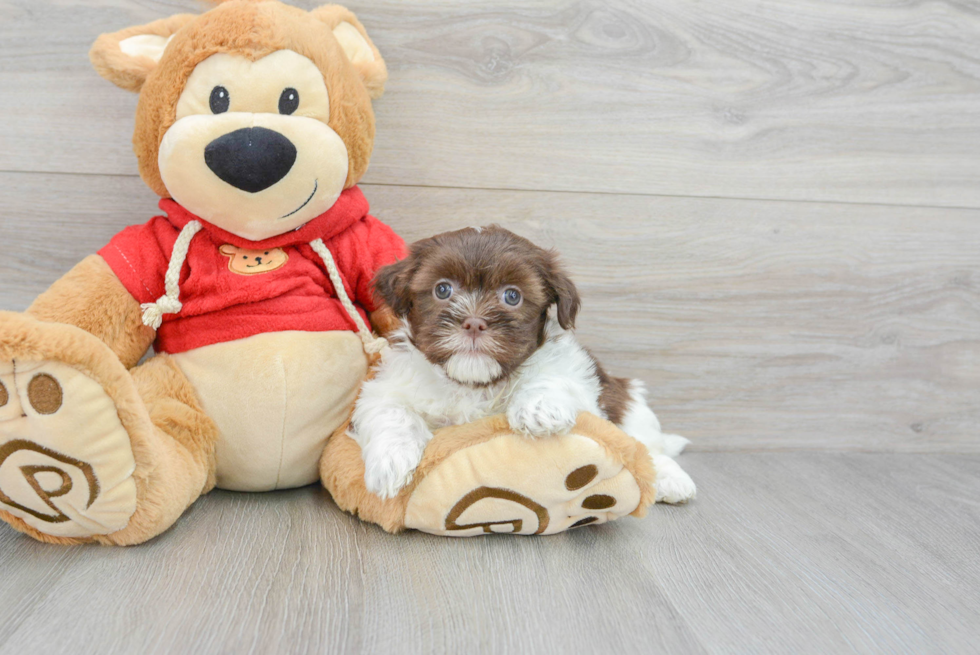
x=515, y=485
x=66, y=463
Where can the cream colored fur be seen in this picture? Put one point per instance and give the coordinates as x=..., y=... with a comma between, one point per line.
x=514, y=463
x=98, y=495
x=314, y=181
x=277, y=400
x=469, y=453
x=171, y=439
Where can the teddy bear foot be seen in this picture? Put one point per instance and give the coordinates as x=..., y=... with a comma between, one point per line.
x=66, y=463
x=486, y=478
x=502, y=487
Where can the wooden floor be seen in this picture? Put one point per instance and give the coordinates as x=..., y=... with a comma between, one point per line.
x=782, y=553
x=772, y=210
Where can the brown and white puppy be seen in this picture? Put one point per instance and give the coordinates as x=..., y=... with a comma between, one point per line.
x=478, y=338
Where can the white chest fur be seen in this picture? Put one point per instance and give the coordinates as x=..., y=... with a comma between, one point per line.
x=408, y=379
x=560, y=368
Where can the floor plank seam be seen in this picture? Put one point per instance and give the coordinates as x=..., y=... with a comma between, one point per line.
x=568, y=192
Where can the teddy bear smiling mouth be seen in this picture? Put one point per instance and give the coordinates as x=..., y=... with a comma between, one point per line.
x=305, y=203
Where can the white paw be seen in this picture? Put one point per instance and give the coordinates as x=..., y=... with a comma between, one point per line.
x=389, y=465
x=673, y=484
x=540, y=414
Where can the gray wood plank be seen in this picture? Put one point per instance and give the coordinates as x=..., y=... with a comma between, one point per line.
x=828, y=553
x=867, y=101
x=781, y=552
x=755, y=324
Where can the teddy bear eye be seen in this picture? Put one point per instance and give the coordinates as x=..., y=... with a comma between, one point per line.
x=219, y=100
x=288, y=101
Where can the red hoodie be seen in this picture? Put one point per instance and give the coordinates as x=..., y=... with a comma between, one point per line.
x=223, y=302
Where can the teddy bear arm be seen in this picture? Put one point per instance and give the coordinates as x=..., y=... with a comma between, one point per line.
x=91, y=297
x=384, y=321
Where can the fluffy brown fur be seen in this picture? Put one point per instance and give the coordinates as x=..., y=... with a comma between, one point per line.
x=384, y=321
x=480, y=265
x=615, y=393
x=91, y=297
x=232, y=28
x=128, y=72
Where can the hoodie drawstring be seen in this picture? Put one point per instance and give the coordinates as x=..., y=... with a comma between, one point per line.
x=372, y=344
x=169, y=302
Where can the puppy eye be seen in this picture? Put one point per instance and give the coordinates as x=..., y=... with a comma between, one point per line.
x=512, y=297
x=443, y=290
x=288, y=101
x=219, y=100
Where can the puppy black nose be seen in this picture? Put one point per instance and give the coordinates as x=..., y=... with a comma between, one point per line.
x=474, y=325
x=250, y=159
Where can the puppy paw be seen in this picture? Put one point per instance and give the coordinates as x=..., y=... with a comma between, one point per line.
x=389, y=467
x=674, y=485
x=539, y=415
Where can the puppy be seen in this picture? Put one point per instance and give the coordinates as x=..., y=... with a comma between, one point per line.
x=477, y=339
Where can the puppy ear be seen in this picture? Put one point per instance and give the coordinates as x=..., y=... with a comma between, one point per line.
x=126, y=57
x=392, y=285
x=356, y=44
x=563, y=291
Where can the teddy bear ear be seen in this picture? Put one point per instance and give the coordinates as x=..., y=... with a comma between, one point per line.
x=126, y=57
x=357, y=45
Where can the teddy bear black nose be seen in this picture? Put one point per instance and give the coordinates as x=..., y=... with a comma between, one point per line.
x=250, y=159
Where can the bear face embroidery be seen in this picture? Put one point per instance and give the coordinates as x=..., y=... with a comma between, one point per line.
x=252, y=262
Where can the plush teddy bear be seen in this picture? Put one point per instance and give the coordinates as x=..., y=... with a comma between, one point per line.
x=254, y=125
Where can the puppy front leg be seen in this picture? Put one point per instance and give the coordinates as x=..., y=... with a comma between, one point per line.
x=557, y=383
x=392, y=439
x=546, y=406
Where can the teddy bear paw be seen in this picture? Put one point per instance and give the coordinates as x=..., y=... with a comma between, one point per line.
x=66, y=463
x=514, y=485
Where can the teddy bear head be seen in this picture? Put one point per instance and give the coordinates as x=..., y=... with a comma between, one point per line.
x=255, y=115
